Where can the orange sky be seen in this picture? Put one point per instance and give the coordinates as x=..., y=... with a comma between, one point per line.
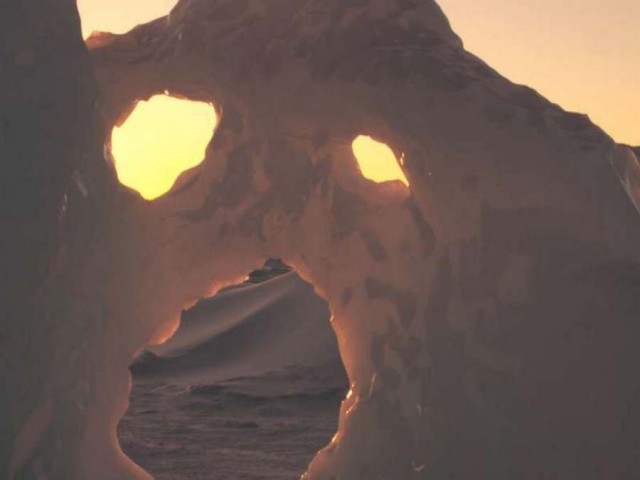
x=582, y=54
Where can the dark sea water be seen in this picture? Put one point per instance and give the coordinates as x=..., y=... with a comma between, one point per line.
x=175, y=432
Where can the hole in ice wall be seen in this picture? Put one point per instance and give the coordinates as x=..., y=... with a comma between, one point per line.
x=162, y=138
x=251, y=383
x=377, y=161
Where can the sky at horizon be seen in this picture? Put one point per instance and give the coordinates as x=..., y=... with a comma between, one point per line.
x=581, y=54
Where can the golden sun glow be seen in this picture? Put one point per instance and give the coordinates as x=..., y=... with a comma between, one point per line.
x=120, y=16
x=582, y=54
x=377, y=161
x=162, y=138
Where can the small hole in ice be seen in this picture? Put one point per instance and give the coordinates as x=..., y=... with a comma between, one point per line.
x=377, y=161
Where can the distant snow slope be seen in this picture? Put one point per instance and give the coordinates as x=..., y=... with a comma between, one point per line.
x=278, y=329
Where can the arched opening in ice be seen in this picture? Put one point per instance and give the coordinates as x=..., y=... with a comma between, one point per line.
x=162, y=138
x=377, y=161
x=250, y=382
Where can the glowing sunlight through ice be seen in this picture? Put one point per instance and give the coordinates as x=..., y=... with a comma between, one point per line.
x=162, y=138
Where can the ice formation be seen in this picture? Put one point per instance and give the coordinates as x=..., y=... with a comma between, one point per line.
x=487, y=314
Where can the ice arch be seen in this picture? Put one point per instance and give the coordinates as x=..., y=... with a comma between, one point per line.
x=487, y=315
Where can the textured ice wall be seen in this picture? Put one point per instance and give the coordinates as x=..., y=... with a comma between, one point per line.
x=486, y=315
x=48, y=126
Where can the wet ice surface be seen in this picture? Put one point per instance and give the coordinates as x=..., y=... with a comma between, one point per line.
x=178, y=432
